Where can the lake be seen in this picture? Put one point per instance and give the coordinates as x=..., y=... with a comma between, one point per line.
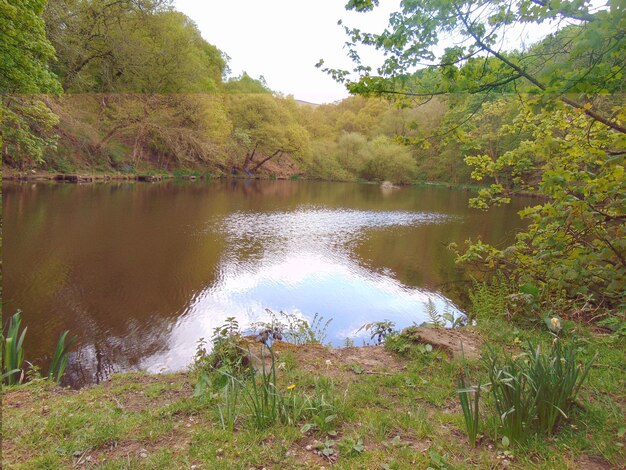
x=141, y=272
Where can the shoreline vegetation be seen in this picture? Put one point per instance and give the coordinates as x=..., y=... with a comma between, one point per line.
x=394, y=405
x=83, y=177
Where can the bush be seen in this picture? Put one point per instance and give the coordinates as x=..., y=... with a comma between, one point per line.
x=389, y=161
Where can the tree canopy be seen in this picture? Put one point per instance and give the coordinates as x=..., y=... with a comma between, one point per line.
x=550, y=118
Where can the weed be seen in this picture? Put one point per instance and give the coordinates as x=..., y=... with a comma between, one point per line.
x=61, y=357
x=379, y=330
x=294, y=329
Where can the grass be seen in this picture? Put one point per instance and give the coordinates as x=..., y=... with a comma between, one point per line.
x=390, y=416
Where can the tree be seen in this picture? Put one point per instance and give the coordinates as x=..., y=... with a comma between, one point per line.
x=265, y=128
x=25, y=70
x=571, y=134
x=138, y=46
x=25, y=120
x=595, y=44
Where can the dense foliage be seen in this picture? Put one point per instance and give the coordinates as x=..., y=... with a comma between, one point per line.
x=549, y=119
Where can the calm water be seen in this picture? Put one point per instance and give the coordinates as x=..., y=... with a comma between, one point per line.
x=140, y=272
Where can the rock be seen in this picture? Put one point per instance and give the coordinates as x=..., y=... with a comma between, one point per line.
x=448, y=340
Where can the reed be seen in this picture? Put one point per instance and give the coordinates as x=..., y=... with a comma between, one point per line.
x=61, y=357
x=534, y=391
x=557, y=377
x=13, y=351
x=469, y=397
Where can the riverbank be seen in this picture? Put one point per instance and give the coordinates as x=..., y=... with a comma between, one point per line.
x=10, y=174
x=391, y=411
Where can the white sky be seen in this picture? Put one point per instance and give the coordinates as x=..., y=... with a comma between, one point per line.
x=284, y=39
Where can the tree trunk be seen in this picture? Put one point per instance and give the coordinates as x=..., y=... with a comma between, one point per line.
x=266, y=159
x=249, y=157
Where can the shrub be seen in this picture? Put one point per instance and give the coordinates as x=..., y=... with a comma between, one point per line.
x=390, y=161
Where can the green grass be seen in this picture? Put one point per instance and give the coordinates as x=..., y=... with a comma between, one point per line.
x=406, y=418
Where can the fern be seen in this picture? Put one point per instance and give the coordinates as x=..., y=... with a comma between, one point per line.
x=489, y=299
x=435, y=317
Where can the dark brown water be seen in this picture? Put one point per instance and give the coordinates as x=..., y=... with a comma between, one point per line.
x=140, y=272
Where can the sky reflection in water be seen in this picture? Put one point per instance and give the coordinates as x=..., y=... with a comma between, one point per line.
x=300, y=263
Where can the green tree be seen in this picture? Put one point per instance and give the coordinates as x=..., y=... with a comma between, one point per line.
x=265, y=129
x=25, y=70
x=571, y=136
x=139, y=46
x=25, y=120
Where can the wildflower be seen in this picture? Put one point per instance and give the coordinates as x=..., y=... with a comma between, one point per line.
x=556, y=323
x=517, y=341
x=328, y=363
x=291, y=387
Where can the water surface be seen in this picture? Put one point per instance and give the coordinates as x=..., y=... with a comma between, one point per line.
x=142, y=271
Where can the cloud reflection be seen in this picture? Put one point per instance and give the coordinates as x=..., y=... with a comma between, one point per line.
x=299, y=262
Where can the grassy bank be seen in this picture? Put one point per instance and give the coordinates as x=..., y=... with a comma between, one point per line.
x=390, y=410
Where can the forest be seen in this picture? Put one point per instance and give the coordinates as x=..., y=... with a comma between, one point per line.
x=131, y=86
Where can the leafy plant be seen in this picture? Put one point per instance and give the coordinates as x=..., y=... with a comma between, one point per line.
x=379, y=330
x=322, y=408
x=295, y=329
x=327, y=448
x=227, y=351
x=351, y=447
x=13, y=351
x=60, y=357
